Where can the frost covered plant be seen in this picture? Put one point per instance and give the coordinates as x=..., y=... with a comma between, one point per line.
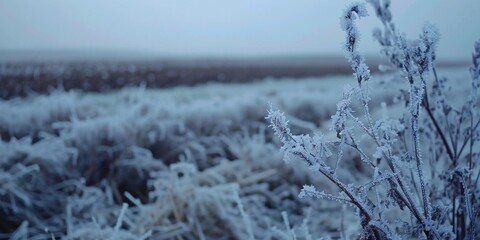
x=441, y=198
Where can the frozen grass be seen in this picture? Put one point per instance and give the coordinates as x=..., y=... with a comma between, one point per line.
x=190, y=161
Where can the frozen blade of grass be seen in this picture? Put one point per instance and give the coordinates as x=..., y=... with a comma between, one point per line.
x=133, y=199
x=246, y=219
x=310, y=191
x=146, y=235
x=21, y=233
x=287, y=225
x=69, y=219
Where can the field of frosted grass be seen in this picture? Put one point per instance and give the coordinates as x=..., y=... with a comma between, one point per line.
x=186, y=162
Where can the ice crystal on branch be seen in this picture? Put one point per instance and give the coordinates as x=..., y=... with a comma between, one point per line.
x=311, y=150
x=339, y=119
x=279, y=124
x=424, y=50
x=361, y=71
x=382, y=10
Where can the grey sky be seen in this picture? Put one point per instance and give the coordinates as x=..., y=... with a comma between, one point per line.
x=221, y=27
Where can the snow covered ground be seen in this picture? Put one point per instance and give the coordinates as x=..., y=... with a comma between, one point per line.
x=196, y=162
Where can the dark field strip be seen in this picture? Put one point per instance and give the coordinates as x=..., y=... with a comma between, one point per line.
x=19, y=79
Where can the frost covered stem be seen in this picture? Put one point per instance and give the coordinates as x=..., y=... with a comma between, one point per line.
x=416, y=147
x=366, y=215
x=310, y=162
x=408, y=201
x=279, y=124
x=468, y=139
x=361, y=71
x=344, y=189
x=363, y=211
x=359, y=67
x=418, y=160
x=426, y=105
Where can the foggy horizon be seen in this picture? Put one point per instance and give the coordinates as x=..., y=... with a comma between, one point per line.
x=221, y=29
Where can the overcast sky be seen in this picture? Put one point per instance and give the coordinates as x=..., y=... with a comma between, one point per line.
x=221, y=27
